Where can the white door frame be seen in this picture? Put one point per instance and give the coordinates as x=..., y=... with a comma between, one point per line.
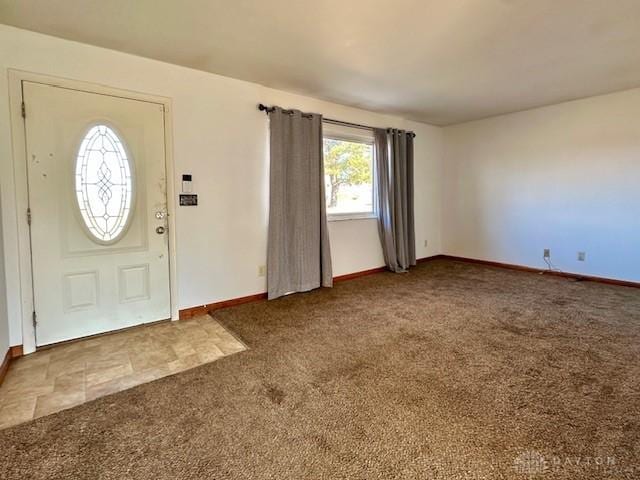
x=18, y=136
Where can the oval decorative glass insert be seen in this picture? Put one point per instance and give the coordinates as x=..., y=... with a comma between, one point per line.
x=104, y=184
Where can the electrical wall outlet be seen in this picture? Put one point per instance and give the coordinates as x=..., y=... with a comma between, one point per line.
x=262, y=271
x=582, y=256
x=546, y=253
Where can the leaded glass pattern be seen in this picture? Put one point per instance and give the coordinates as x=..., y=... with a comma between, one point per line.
x=104, y=184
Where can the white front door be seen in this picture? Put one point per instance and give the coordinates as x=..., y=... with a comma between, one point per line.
x=97, y=196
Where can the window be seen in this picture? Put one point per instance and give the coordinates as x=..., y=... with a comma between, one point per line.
x=104, y=184
x=348, y=173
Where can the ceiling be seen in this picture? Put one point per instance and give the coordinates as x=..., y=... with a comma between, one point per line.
x=437, y=61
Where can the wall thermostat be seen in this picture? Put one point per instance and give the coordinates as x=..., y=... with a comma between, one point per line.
x=186, y=183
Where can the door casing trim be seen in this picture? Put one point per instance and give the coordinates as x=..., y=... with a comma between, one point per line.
x=18, y=138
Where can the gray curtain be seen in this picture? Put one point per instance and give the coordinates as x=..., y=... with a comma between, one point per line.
x=394, y=197
x=298, y=255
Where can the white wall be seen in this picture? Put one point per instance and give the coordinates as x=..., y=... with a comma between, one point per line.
x=221, y=138
x=564, y=177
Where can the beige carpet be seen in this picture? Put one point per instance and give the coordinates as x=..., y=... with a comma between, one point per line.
x=452, y=371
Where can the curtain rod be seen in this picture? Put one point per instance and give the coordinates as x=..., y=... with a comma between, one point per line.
x=267, y=110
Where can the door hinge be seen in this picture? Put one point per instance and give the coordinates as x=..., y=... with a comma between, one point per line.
x=35, y=318
x=24, y=110
x=29, y=216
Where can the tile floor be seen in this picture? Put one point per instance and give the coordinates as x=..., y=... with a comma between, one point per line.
x=70, y=374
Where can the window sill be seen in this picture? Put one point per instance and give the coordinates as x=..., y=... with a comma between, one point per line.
x=341, y=217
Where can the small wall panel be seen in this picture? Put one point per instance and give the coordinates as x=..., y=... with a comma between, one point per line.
x=133, y=283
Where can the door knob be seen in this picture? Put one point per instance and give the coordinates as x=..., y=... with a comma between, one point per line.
x=160, y=230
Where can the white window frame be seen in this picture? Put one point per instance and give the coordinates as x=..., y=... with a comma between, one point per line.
x=355, y=135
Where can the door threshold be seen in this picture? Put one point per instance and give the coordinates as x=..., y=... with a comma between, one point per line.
x=103, y=334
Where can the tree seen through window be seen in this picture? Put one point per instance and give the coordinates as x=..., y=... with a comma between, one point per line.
x=348, y=170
